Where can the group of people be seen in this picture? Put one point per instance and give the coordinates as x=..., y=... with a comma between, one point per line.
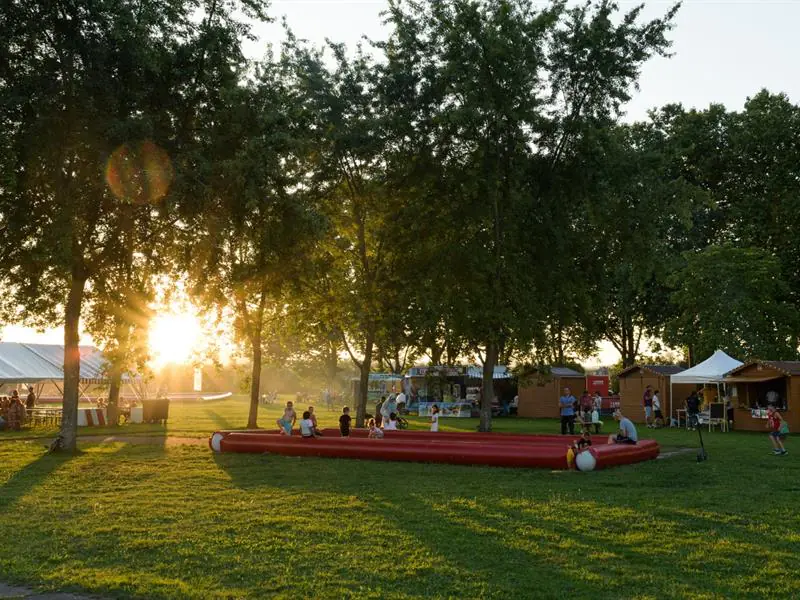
x=394, y=404
x=653, y=417
x=376, y=427
x=309, y=428
x=586, y=410
x=13, y=410
x=308, y=423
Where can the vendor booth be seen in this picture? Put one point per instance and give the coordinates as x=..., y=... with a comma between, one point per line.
x=710, y=374
x=455, y=390
x=378, y=385
x=755, y=385
x=634, y=380
x=538, y=396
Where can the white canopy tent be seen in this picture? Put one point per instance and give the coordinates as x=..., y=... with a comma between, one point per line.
x=711, y=371
x=34, y=363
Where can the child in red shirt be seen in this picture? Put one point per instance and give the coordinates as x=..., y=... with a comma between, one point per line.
x=778, y=430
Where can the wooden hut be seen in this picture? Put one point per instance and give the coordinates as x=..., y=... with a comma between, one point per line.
x=754, y=385
x=634, y=380
x=538, y=397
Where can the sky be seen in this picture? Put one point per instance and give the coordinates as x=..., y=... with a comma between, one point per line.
x=723, y=52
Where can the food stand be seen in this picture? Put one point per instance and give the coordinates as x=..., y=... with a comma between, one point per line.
x=379, y=384
x=757, y=384
x=455, y=390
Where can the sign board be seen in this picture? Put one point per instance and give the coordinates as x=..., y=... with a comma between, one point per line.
x=198, y=379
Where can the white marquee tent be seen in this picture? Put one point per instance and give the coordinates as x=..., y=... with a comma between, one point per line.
x=711, y=371
x=36, y=363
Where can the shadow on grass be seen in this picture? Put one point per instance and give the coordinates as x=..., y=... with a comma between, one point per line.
x=31, y=475
x=220, y=420
x=507, y=529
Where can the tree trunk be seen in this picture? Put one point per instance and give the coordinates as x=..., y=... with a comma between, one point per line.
x=363, y=383
x=436, y=354
x=112, y=410
x=560, y=347
x=487, y=390
x=255, y=382
x=72, y=365
x=331, y=366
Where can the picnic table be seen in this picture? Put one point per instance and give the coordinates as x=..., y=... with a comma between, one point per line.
x=587, y=425
x=44, y=415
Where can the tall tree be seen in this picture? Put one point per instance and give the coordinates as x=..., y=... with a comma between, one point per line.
x=97, y=101
x=639, y=216
x=350, y=171
x=736, y=300
x=504, y=94
x=257, y=220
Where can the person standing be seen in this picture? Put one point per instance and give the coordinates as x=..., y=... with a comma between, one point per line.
x=344, y=422
x=647, y=402
x=586, y=403
x=692, y=410
x=778, y=431
x=389, y=407
x=401, y=402
x=597, y=402
x=378, y=410
x=434, y=418
x=567, y=405
x=658, y=416
x=16, y=413
x=30, y=401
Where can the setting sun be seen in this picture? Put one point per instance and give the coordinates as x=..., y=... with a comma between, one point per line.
x=174, y=338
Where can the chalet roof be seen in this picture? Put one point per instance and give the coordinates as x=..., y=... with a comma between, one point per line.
x=661, y=370
x=787, y=367
x=565, y=372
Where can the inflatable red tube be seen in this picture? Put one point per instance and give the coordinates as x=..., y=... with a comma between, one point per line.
x=530, y=451
x=422, y=434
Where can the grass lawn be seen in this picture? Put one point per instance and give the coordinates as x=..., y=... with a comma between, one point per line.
x=136, y=521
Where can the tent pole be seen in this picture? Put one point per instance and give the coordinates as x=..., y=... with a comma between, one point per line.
x=671, y=413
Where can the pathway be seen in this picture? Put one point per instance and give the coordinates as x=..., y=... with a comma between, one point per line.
x=13, y=591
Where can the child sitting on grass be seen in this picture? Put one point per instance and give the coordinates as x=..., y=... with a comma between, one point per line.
x=391, y=424
x=307, y=426
x=779, y=428
x=344, y=422
x=374, y=431
x=287, y=421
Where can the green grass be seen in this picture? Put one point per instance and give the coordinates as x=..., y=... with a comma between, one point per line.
x=200, y=419
x=178, y=522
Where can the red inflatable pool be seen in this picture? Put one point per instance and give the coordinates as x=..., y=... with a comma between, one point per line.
x=494, y=449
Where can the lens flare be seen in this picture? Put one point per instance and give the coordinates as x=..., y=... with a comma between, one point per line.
x=139, y=172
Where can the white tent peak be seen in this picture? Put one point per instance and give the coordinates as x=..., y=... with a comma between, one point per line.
x=711, y=370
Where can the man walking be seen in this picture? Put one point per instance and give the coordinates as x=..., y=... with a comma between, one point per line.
x=567, y=405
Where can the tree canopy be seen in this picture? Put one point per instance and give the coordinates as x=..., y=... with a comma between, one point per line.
x=465, y=189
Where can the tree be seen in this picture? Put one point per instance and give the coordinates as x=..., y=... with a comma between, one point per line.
x=502, y=96
x=98, y=101
x=736, y=300
x=258, y=221
x=352, y=161
x=638, y=219
x=762, y=188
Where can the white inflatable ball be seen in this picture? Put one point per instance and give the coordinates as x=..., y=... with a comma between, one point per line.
x=586, y=461
x=215, y=442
